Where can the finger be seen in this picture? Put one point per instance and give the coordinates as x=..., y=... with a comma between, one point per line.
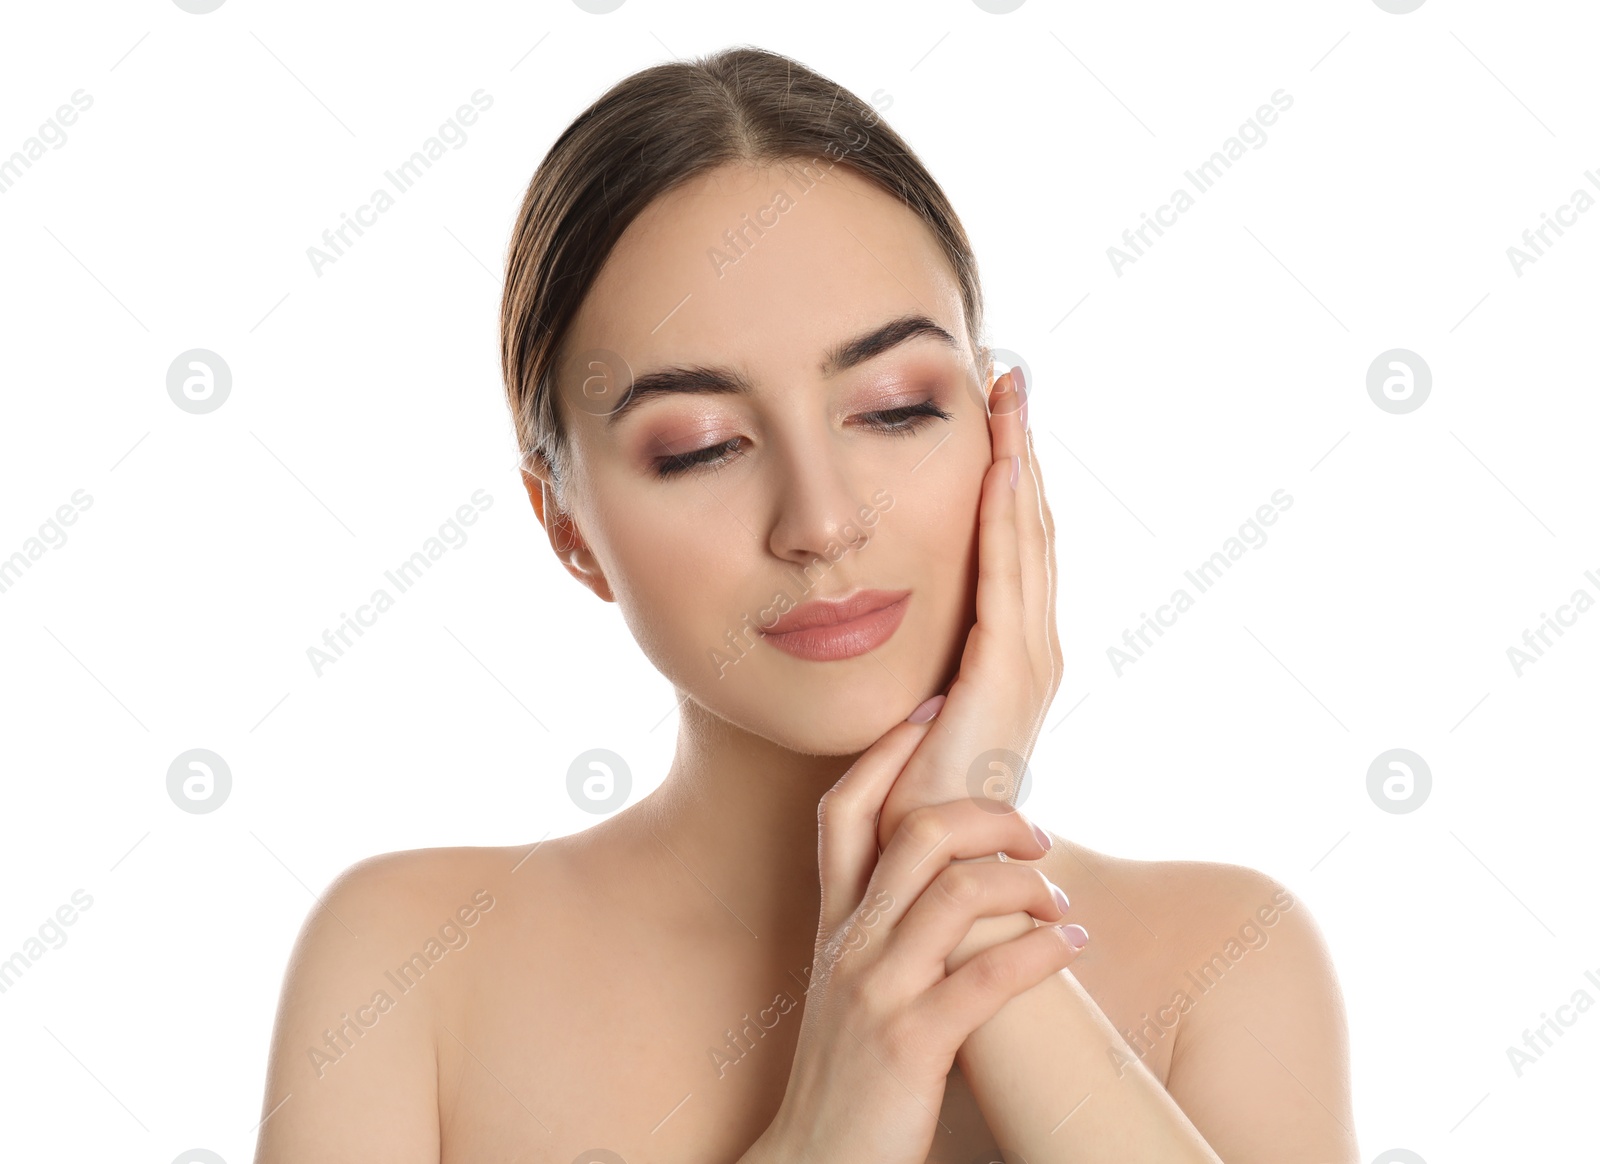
x=998, y=608
x=1006, y=401
x=1031, y=539
x=990, y=690
x=999, y=605
x=933, y=835
x=847, y=822
x=940, y=918
x=1052, y=573
x=974, y=994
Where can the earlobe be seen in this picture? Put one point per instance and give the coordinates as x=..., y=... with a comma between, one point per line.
x=581, y=564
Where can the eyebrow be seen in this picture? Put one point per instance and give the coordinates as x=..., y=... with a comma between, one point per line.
x=841, y=357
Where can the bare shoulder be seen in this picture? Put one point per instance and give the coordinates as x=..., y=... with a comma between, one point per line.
x=1186, y=902
x=353, y=1066
x=409, y=898
x=1246, y=992
x=417, y=883
x=411, y=894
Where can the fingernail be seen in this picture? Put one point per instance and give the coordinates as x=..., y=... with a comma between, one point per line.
x=1016, y=470
x=926, y=710
x=1043, y=837
x=1019, y=385
x=1077, y=936
x=1061, y=898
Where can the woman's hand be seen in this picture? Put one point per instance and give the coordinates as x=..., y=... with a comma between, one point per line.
x=883, y=1020
x=1011, y=667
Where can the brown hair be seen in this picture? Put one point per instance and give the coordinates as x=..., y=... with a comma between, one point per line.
x=648, y=133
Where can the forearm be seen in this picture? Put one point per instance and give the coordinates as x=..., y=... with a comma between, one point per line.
x=1048, y=1086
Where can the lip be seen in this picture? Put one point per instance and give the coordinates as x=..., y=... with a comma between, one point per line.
x=824, y=630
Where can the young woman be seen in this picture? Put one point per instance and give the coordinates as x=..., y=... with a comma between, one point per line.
x=742, y=346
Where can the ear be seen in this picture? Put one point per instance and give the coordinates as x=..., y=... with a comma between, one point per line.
x=565, y=539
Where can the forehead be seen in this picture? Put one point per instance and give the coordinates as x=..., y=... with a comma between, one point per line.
x=764, y=268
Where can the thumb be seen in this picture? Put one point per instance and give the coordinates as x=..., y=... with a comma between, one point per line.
x=847, y=822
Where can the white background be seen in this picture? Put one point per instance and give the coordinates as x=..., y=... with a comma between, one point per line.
x=1169, y=402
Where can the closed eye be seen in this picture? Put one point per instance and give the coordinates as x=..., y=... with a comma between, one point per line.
x=898, y=421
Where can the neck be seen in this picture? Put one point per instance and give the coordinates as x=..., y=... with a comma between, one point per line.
x=740, y=812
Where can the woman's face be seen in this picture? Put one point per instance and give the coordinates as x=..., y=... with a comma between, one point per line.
x=707, y=514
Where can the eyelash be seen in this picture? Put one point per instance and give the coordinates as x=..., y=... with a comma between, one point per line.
x=915, y=416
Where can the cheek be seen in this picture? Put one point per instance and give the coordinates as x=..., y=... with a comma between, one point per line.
x=940, y=513
x=676, y=580
x=947, y=525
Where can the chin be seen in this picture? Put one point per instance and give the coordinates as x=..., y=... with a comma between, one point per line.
x=829, y=716
x=819, y=739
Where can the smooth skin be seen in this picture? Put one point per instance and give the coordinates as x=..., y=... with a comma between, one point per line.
x=588, y=1008
x=883, y=1018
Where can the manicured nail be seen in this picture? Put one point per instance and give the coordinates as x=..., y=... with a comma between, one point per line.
x=1077, y=936
x=1020, y=387
x=1016, y=470
x=1061, y=898
x=1043, y=837
x=926, y=710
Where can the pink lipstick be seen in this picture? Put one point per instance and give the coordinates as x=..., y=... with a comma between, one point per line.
x=825, y=630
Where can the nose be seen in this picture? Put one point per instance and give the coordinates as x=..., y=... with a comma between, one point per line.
x=817, y=505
